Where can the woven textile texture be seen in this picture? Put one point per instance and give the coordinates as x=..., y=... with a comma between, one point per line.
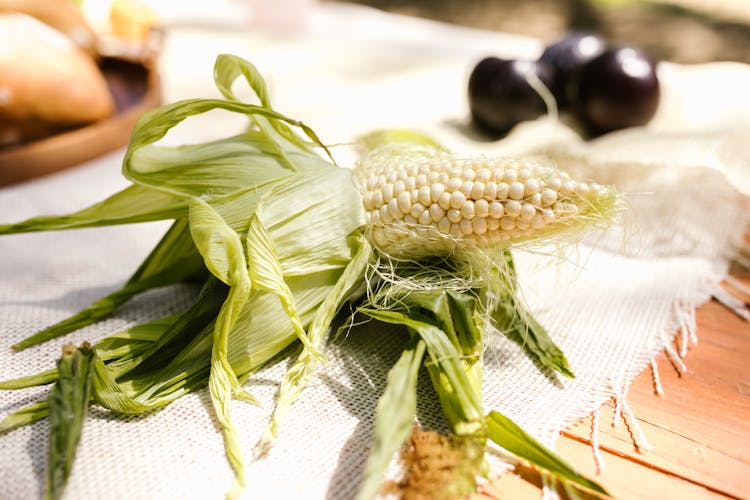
x=611, y=302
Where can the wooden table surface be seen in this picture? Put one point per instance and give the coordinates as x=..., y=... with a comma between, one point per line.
x=699, y=429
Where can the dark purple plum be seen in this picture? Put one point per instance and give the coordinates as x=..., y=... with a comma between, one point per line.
x=500, y=95
x=617, y=89
x=567, y=56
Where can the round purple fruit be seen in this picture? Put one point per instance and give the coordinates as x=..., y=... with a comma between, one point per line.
x=500, y=95
x=617, y=89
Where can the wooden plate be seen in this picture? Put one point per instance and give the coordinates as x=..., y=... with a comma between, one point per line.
x=135, y=88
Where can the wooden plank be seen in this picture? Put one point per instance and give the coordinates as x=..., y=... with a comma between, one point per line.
x=699, y=428
x=623, y=478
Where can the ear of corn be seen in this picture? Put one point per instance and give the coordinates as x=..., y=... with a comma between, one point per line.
x=280, y=237
x=421, y=204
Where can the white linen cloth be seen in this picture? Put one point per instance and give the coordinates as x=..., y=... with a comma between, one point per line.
x=611, y=307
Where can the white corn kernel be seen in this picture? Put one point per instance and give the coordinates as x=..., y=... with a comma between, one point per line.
x=548, y=197
x=507, y=223
x=457, y=199
x=497, y=210
x=454, y=184
x=502, y=191
x=467, y=209
x=394, y=210
x=444, y=225
x=479, y=225
x=445, y=200
x=436, y=212
x=515, y=190
x=436, y=190
x=404, y=202
x=385, y=214
x=477, y=191
x=548, y=215
x=490, y=191
x=482, y=208
x=377, y=198
x=425, y=218
x=416, y=210
x=528, y=211
x=513, y=208
x=531, y=187
x=387, y=191
x=423, y=195
x=368, y=202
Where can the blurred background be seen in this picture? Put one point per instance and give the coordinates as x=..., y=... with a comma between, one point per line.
x=115, y=57
x=684, y=31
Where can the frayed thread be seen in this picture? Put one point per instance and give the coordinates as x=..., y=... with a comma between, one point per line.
x=598, y=458
x=675, y=359
x=730, y=301
x=658, y=389
x=685, y=316
x=634, y=428
x=737, y=285
x=623, y=411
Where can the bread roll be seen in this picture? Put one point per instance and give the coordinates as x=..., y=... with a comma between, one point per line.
x=63, y=15
x=45, y=77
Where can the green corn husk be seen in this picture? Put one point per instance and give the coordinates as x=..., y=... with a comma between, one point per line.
x=68, y=403
x=449, y=321
x=277, y=236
